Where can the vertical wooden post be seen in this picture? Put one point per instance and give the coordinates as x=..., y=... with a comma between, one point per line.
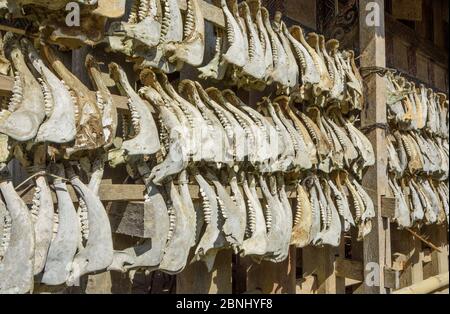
x=373, y=54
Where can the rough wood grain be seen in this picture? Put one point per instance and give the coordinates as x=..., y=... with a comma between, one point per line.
x=349, y=269
x=273, y=278
x=195, y=279
x=373, y=54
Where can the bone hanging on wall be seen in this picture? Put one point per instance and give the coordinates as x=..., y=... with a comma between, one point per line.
x=418, y=152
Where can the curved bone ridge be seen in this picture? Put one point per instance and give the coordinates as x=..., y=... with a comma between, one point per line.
x=303, y=219
x=236, y=46
x=177, y=249
x=171, y=32
x=255, y=66
x=43, y=225
x=217, y=67
x=279, y=57
x=104, y=101
x=88, y=117
x=16, y=268
x=203, y=140
x=150, y=253
x=257, y=241
x=233, y=228
x=146, y=142
x=178, y=154
x=5, y=229
x=60, y=126
x=212, y=239
x=98, y=253
x=191, y=49
x=293, y=72
x=64, y=245
x=276, y=235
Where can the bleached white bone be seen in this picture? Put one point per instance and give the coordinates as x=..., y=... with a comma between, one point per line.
x=64, y=246
x=60, y=127
x=16, y=268
x=23, y=123
x=147, y=141
x=192, y=48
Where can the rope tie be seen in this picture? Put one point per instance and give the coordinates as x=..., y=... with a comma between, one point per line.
x=369, y=128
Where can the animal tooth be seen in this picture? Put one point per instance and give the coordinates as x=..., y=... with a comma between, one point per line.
x=28, y=101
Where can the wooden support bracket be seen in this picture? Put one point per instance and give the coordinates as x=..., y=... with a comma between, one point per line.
x=388, y=205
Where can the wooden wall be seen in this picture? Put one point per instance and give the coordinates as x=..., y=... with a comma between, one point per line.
x=419, y=46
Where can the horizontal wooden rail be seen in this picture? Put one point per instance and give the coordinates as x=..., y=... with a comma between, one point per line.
x=6, y=86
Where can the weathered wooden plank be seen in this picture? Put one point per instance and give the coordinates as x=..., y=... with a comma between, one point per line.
x=195, y=278
x=388, y=205
x=406, y=250
x=391, y=278
x=320, y=262
x=373, y=54
x=410, y=10
x=6, y=85
x=349, y=269
x=404, y=32
x=307, y=285
x=273, y=278
x=108, y=193
x=439, y=260
x=438, y=23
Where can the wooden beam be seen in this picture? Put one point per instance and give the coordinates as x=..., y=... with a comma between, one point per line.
x=438, y=23
x=273, y=278
x=376, y=248
x=349, y=269
x=108, y=193
x=7, y=83
x=195, y=278
x=320, y=262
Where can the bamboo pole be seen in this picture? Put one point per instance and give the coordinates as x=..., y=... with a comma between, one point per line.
x=427, y=286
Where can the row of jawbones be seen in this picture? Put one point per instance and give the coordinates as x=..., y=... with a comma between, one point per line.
x=301, y=133
x=251, y=51
x=56, y=249
x=418, y=152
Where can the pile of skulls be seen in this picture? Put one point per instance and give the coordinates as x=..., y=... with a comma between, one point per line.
x=418, y=152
